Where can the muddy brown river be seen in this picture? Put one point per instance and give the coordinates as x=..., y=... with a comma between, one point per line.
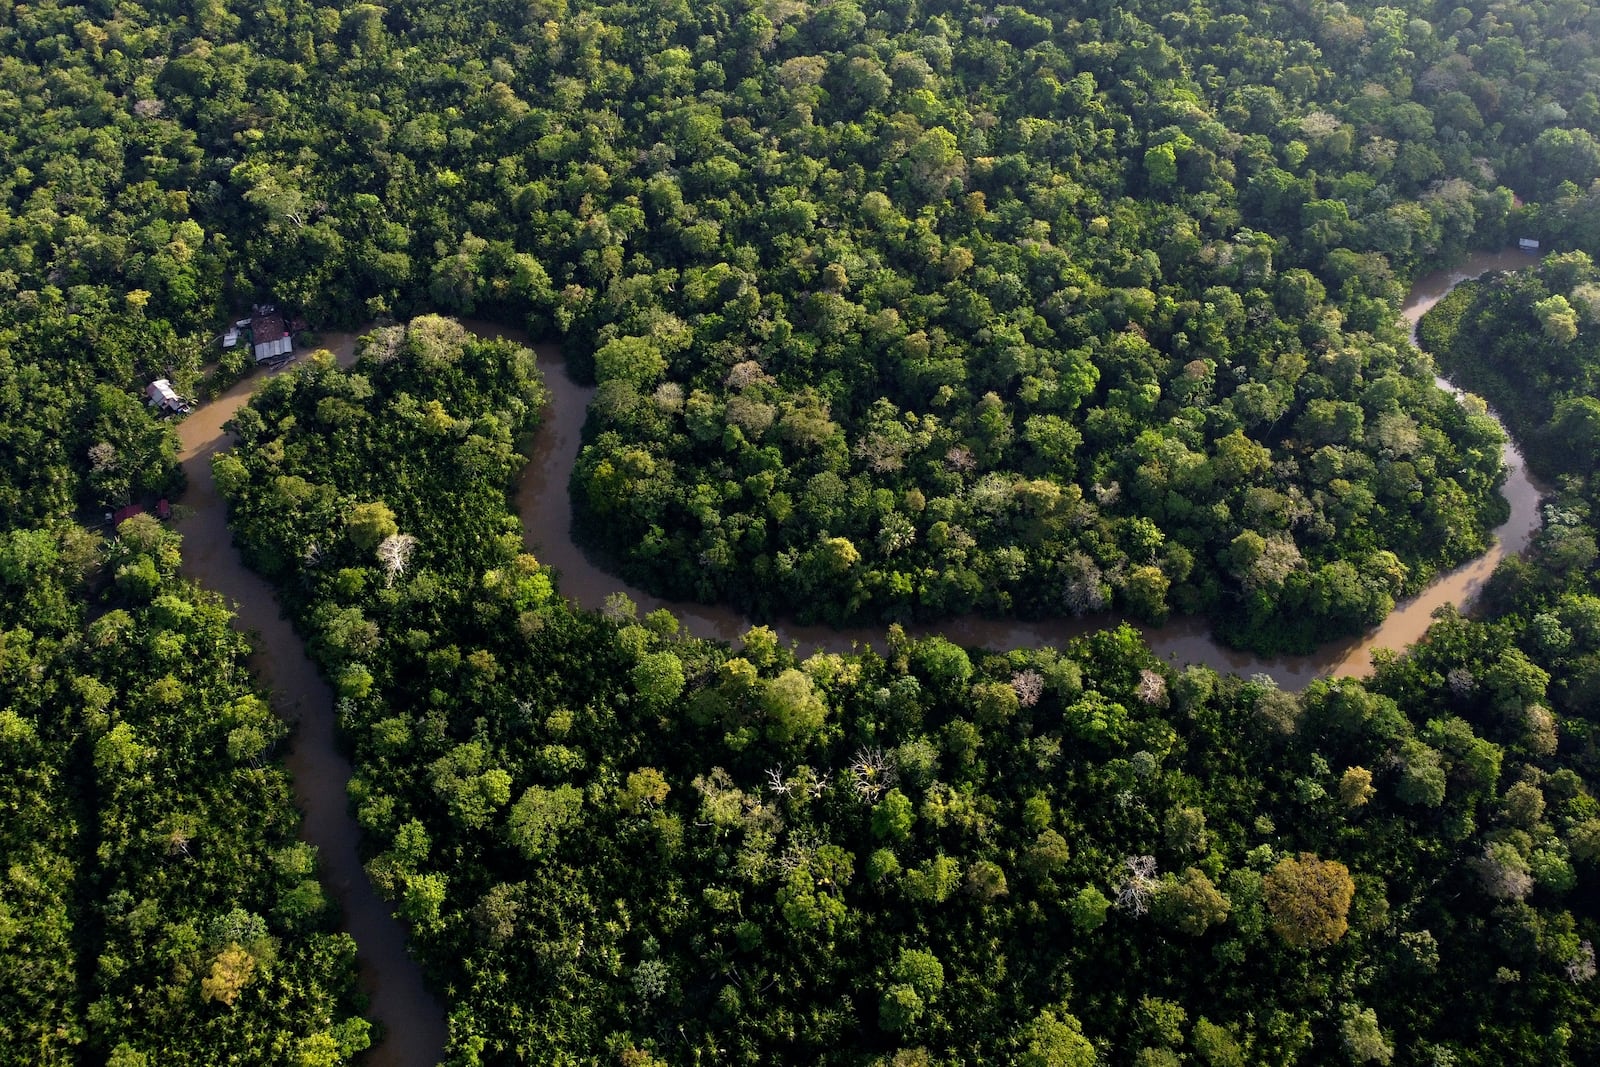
x=411, y=1017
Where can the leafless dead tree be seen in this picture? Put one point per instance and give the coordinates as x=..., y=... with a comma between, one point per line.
x=1581, y=968
x=1133, y=895
x=394, y=554
x=872, y=772
x=1152, y=687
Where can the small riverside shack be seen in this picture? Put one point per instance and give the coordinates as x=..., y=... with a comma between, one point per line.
x=269, y=334
x=161, y=395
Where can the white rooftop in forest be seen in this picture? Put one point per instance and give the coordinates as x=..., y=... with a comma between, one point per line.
x=161, y=394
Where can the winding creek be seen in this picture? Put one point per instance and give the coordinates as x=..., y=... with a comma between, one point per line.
x=411, y=1017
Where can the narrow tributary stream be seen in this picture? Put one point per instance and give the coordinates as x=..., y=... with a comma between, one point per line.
x=410, y=1015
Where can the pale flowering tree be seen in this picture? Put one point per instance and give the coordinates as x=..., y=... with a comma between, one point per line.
x=394, y=555
x=383, y=344
x=1318, y=124
x=1029, y=687
x=884, y=449
x=669, y=397
x=1279, y=557
x=1503, y=871
x=102, y=457
x=1084, y=592
x=745, y=374
x=1540, y=731
x=1152, y=687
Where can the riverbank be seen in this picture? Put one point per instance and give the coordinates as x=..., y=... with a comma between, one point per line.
x=410, y=1017
x=546, y=512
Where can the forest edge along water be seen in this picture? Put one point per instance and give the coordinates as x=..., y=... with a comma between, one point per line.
x=546, y=512
x=411, y=1017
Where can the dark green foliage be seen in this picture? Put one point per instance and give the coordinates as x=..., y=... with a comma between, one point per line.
x=1530, y=340
x=343, y=514
x=899, y=310
x=149, y=831
x=72, y=434
x=998, y=381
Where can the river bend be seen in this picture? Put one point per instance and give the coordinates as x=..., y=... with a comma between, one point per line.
x=546, y=511
x=410, y=1016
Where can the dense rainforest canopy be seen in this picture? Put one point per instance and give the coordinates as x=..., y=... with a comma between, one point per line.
x=900, y=310
x=155, y=906
x=611, y=837
x=896, y=310
x=1532, y=342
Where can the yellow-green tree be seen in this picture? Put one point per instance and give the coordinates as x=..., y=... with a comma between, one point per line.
x=1309, y=900
x=231, y=971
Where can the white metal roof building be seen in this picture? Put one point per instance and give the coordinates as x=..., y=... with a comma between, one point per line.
x=272, y=349
x=161, y=394
x=269, y=335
